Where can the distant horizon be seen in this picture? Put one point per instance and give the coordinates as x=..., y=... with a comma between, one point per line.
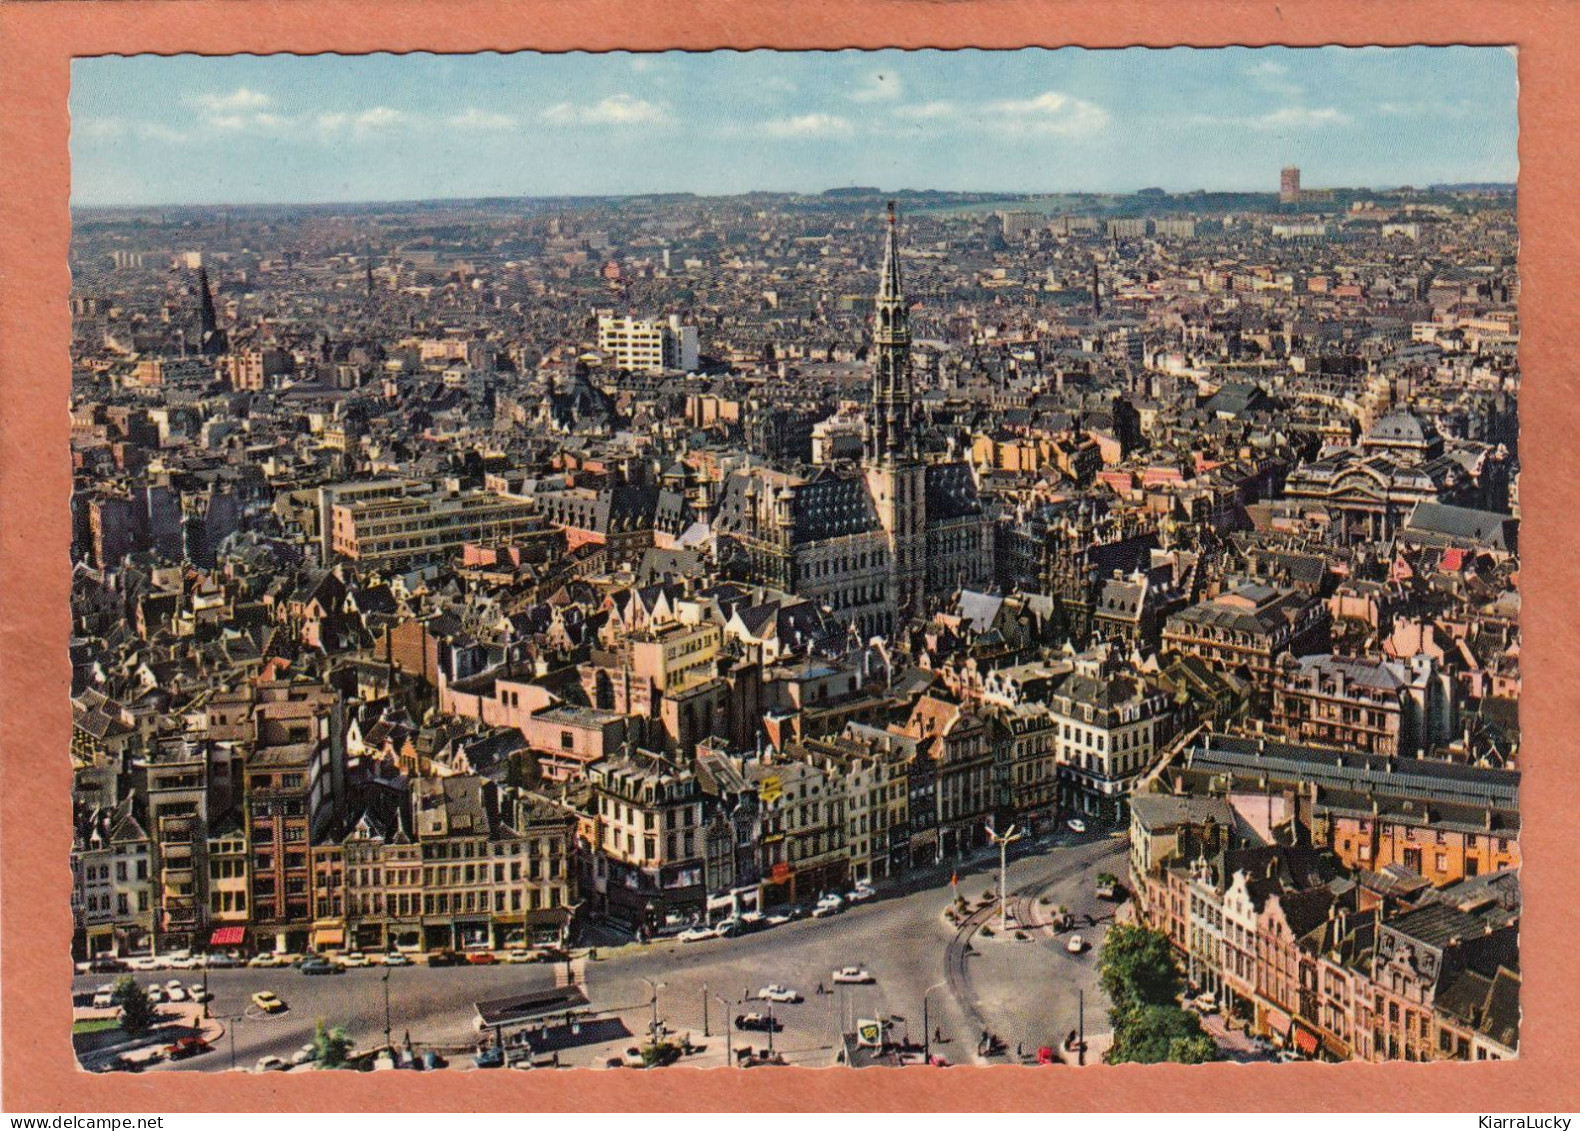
x=1004, y=194
x=216, y=131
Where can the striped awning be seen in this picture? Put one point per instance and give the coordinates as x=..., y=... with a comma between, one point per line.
x=227, y=936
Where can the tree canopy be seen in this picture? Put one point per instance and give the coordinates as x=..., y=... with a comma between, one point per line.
x=137, y=1012
x=1137, y=968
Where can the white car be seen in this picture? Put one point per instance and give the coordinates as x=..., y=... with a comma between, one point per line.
x=698, y=934
x=859, y=893
x=176, y=992
x=265, y=961
x=355, y=958
x=104, y=997
x=181, y=960
x=270, y=1064
x=1075, y=825
x=197, y=993
x=305, y=1055
x=156, y=995
x=828, y=905
x=1076, y=944
x=143, y=962
x=783, y=995
x=396, y=958
x=776, y=920
x=853, y=976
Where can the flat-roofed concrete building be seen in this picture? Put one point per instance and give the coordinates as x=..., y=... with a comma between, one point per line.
x=403, y=529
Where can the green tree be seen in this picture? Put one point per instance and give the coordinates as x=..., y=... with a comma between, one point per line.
x=331, y=1047
x=1137, y=968
x=137, y=1012
x=1153, y=1034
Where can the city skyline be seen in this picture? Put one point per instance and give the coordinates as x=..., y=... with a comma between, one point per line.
x=342, y=129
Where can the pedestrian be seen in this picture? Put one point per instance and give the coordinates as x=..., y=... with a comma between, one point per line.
x=938, y=1033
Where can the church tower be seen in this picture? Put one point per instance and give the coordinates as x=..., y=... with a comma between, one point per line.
x=896, y=476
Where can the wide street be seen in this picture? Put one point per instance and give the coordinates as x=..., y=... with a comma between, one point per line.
x=1026, y=991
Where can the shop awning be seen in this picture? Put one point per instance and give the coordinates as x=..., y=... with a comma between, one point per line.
x=329, y=936
x=1305, y=1040
x=227, y=936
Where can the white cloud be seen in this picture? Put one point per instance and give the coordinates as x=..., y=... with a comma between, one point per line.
x=378, y=117
x=473, y=118
x=236, y=100
x=926, y=111
x=158, y=131
x=98, y=127
x=1285, y=119
x=807, y=125
x=616, y=110
x=1300, y=118
x=880, y=86
x=1051, y=112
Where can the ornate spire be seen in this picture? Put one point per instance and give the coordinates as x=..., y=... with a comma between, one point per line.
x=890, y=427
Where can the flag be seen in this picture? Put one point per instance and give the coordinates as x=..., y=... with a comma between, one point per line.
x=954, y=880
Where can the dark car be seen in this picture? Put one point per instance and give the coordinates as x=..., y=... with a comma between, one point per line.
x=321, y=966
x=446, y=958
x=489, y=1058
x=108, y=966
x=187, y=1046
x=120, y=1063
x=432, y=1060
x=758, y=1023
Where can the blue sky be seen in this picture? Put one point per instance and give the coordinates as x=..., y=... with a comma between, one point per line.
x=245, y=129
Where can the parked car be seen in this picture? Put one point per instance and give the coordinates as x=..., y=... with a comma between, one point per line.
x=321, y=966
x=396, y=958
x=265, y=961
x=305, y=1055
x=107, y=966
x=777, y=993
x=156, y=995
x=268, y=1001
x=432, y=1060
x=758, y=1023
x=143, y=962
x=698, y=934
x=180, y=960
x=197, y=993
x=853, y=976
x=859, y=893
x=778, y=919
x=270, y=1064
x=104, y=997
x=729, y=928
x=1076, y=944
x=187, y=1046
x=518, y=955
x=355, y=958
x=828, y=905
x=176, y=993
x=482, y=958
x=222, y=961
x=1075, y=825
x=491, y=1057
x=119, y=1063
x=446, y=958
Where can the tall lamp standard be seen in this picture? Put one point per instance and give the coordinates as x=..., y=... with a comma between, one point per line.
x=927, y=1030
x=653, y=1029
x=729, y=1047
x=386, y=981
x=1003, y=843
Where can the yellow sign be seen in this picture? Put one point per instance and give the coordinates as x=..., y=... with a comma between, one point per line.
x=771, y=790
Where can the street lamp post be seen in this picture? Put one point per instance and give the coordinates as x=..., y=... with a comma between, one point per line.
x=386, y=981
x=705, y=1032
x=653, y=1029
x=927, y=1030
x=1003, y=843
x=230, y=1028
x=729, y=1045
